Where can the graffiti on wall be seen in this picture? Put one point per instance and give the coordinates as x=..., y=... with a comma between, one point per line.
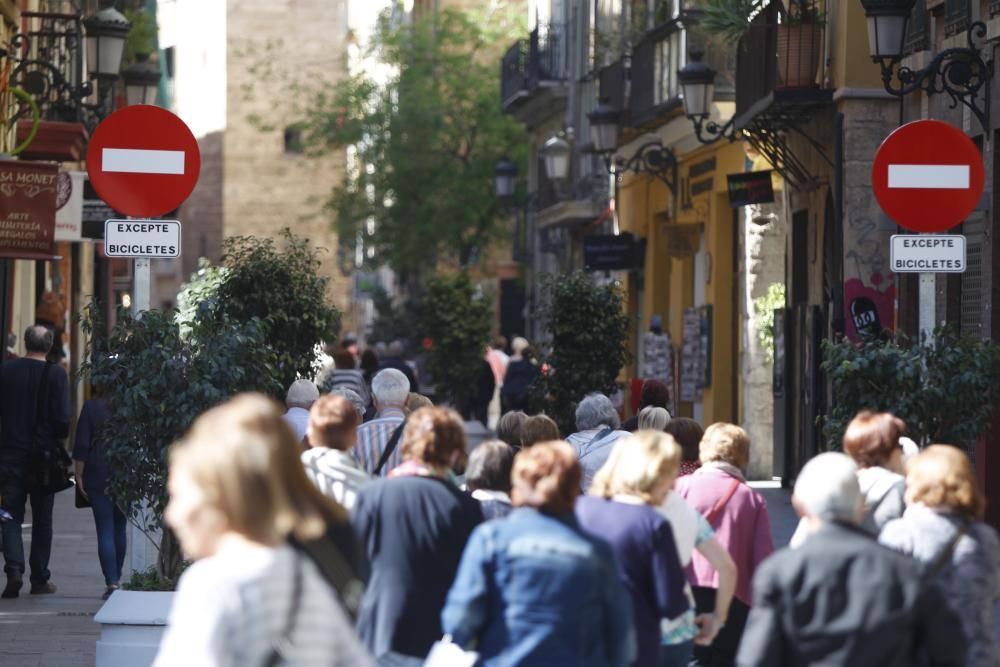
x=870, y=291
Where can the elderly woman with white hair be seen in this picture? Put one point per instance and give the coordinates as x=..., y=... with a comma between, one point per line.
x=841, y=598
x=598, y=429
x=299, y=399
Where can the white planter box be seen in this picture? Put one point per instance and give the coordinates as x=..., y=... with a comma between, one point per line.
x=132, y=624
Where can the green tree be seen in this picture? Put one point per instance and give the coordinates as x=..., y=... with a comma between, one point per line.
x=457, y=320
x=427, y=141
x=277, y=284
x=587, y=326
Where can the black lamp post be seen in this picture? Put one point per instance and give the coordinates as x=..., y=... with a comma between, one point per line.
x=142, y=81
x=698, y=89
x=960, y=73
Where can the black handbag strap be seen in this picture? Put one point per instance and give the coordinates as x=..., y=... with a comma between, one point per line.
x=43, y=386
x=390, y=447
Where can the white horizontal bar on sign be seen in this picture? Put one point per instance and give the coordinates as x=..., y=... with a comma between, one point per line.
x=140, y=161
x=929, y=176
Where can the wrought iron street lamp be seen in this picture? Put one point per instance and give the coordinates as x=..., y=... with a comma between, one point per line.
x=556, y=153
x=106, y=33
x=697, y=82
x=959, y=72
x=652, y=158
x=505, y=178
x=142, y=81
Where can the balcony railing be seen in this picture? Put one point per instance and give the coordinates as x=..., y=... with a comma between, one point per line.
x=514, y=73
x=612, y=87
x=50, y=63
x=773, y=57
x=539, y=61
x=655, y=61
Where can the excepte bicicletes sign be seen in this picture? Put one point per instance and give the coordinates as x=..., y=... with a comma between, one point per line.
x=927, y=253
x=142, y=238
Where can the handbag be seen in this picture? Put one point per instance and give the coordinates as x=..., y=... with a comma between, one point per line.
x=446, y=653
x=48, y=463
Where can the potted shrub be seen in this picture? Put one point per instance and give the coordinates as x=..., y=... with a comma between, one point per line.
x=587, y=326
x=248, y=325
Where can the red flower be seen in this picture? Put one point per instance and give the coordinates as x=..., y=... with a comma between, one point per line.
x=427, y=343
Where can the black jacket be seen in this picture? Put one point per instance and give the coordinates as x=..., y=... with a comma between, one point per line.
x=841, y=599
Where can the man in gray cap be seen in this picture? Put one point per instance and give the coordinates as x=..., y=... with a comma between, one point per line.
x=301, y=395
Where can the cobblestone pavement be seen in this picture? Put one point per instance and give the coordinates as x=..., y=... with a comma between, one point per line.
x=57, y=630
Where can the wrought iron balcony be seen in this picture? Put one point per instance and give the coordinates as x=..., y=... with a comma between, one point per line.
x=537, y=63
x=777, y=92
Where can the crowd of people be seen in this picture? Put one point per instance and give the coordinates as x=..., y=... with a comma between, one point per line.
x=354, y=526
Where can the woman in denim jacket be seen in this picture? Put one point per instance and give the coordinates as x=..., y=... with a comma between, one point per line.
x=534, y=589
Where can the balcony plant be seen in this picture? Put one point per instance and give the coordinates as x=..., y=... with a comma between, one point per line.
x=729, y=19
x=800, y=34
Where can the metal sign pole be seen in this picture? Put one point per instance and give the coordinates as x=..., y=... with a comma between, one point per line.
x=141, y=287
x=928, y=285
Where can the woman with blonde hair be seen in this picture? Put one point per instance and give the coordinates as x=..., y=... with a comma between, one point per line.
x=621, y=509
x=534, y=589
x=244, y=510
x=414, y=526
x=943, y=527
x=738, y=515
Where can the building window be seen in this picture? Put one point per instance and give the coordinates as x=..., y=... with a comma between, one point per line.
x=956, y=16
x=667, y=63
x=294, y=144
x=972, y=299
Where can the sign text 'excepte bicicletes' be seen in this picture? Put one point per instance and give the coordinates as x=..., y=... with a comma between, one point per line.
x=927, y=253
x=142, y=238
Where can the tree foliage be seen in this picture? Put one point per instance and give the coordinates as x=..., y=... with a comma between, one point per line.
x=428, y=129
x=587, y=326
x=945, y=389
x=457, y=320
x=280, y=286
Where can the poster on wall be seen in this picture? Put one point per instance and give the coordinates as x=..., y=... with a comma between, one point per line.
x=696, y=353
x=69, y=205
x=27, y=209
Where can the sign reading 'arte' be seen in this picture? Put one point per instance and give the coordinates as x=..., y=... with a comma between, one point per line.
x=27, y=209
x=142, y=238
x=927, y=253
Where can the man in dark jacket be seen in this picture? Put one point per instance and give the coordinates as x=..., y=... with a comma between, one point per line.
x=841, y=599
x=22, y=410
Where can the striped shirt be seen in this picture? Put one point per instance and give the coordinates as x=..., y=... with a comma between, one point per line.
x=373, y=437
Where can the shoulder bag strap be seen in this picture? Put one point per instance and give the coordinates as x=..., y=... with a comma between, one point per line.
x=390, y=447
x=945, y=554
x=281, y=650
x=43, y=386
x=714, y=512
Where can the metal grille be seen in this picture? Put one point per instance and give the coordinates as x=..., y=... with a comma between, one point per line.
x=972, y=280
x=956, y=16
x=916, y=30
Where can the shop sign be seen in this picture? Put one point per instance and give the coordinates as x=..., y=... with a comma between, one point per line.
x=682, y=239
x=27, y=209
x=69, y=205
x=753, y=187
x=927, y=253
x=609, y=252
x=142, y=238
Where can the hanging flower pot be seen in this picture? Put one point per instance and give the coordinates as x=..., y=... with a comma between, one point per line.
x=798, y=54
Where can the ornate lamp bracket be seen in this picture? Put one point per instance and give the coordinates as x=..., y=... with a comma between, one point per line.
x=709, y=132
x=960, y=73
x=653, y=159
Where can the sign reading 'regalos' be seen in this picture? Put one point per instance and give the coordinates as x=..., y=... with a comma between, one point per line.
x=27, y=209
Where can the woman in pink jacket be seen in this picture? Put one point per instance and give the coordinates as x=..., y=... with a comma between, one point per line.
x=738, y=515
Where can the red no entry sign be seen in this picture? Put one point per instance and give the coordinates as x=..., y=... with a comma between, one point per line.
x=928, y=176
x=143, y=161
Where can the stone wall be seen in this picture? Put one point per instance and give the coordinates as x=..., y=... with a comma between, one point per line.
x=764, y=253
x=272, y=45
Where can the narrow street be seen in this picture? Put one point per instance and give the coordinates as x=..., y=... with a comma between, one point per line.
x=57, y=630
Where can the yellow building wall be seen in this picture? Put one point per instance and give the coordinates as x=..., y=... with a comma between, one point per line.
x=645, y=208
x=851, y=66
